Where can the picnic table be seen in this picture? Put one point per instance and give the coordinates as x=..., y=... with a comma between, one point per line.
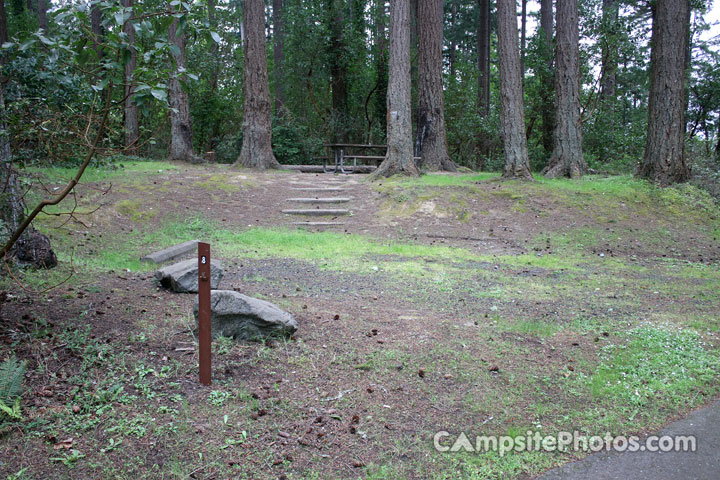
x=339, y=154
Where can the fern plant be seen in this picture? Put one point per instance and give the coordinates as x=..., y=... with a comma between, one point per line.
x=12, y=373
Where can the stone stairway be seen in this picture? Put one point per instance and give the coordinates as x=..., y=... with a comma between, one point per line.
x=319, y=196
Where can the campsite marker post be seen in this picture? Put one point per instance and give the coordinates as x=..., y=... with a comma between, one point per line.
x=204, y=312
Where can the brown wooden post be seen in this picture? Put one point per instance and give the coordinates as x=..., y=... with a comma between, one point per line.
x=204, y=312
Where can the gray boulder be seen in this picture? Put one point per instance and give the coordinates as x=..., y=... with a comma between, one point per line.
x=183, y=277
x=245, y=318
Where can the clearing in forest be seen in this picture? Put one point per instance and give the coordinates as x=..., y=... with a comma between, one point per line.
x=454, y=303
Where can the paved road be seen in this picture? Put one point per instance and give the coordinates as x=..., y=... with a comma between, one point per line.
x=703, y=464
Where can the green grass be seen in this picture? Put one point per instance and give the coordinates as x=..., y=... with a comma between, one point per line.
x=105, y=173
x=533, y=327
x=136, y=210
x=328, y=249
x=623, y=186
x=660, y=364
x=442, y=180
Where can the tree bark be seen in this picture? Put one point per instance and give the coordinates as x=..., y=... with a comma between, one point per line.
x=547, y=75
x=338, y=71
x=214, y=46
x=256, y=149
x=453, y=45
x=279, y=56
x=4, y=35
x=381, y=64
x=132, y=128
x=12, y=206
x=21, y=241
x=96, y=27
x=523, y=37
x=399, y=157
x=431, y=139
x=664, y=161
x=567, y=158
x=717, y=141
x=608, y=70
x=483, y=100
x=181, y=136
x=42, y=8
x=483, y=35
x=214, y=75
x=512, y=115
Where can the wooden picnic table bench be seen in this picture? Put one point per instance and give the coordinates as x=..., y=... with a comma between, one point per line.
x=338, y=154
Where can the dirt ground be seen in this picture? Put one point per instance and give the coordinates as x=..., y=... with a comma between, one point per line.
x=388, y=351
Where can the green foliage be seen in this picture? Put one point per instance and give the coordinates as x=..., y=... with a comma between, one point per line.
x=293, y=142
x=12, y=373
x=56, y=78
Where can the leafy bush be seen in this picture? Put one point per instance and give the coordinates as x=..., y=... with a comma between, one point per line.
x=12, y=373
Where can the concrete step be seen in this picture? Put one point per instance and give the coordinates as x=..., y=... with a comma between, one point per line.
x=318, y=211
x=319, y=200
x=317, y=224
x=319, y=189
x=171, y=253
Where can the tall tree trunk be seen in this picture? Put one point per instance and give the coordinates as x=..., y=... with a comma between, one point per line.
x=381, y=64
x=664, y=160
x=512, y=115
x=214, y=46
x=4, y=35
x=567, y=158
x=42, y=8
x=483, y=38
x=357, y=17
x=607, y=120
x=338, y=71
x=431, y=140
x=214, y=75
x=547, y=75
x=399, y=157
x=256, y=149
x=181, y=136
x=453, y=45
x=96, y=27
x=717, y=140
x=523, y=37
x=279, y=56
x=31, y=247
x=688, y=61
x=12, y=206
x=132, y=128
x=608, y=70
